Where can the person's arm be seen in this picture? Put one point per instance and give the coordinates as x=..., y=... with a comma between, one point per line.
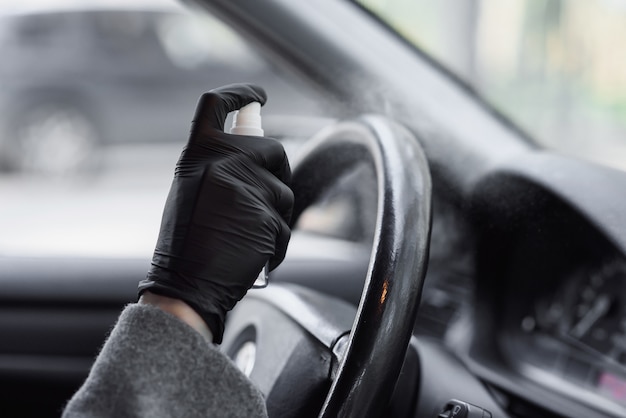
x=227, y=213
x=179, y=309
x=155, y=365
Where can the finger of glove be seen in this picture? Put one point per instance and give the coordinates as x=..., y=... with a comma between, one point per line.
x=279, y=196
x=266, y=152
x=215, y=105
x=282, y=240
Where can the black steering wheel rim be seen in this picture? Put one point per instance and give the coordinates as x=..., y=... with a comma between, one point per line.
x=373, y=357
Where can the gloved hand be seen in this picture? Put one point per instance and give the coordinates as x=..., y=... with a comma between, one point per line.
x=227, y=212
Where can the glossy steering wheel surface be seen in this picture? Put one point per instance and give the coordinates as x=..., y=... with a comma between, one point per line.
x=370, y=365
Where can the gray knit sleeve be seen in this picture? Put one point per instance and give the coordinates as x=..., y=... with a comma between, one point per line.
x=154, y=365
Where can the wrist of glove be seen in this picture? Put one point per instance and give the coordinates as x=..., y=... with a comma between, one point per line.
x=227, y=212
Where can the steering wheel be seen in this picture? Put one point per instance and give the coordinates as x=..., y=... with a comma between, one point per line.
x=367, y=359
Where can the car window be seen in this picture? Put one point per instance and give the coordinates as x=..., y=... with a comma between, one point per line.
x=555, y=67
x=197, y=42
x=95, y=107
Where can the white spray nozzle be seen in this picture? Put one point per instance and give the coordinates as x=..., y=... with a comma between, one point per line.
x=247, y=120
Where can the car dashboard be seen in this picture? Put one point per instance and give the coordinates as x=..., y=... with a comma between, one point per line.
x=541, y=316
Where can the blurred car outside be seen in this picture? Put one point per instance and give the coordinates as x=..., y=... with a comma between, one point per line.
x=74, y=79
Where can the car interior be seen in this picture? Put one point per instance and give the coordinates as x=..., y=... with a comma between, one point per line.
x=443, y=262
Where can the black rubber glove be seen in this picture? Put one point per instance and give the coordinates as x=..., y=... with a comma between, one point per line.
x=227, y=212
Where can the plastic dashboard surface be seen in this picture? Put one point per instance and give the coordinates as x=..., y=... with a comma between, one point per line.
x=549, y=320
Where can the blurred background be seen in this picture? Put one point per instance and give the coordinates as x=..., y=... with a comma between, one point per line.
x=96, y=101
x=96, y=98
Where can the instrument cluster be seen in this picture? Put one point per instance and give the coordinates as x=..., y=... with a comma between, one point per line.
x=573, y=338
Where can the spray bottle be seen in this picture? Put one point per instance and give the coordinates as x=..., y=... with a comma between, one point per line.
x=247, y=121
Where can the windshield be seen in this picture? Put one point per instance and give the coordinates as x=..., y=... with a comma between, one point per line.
x=555, y=67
